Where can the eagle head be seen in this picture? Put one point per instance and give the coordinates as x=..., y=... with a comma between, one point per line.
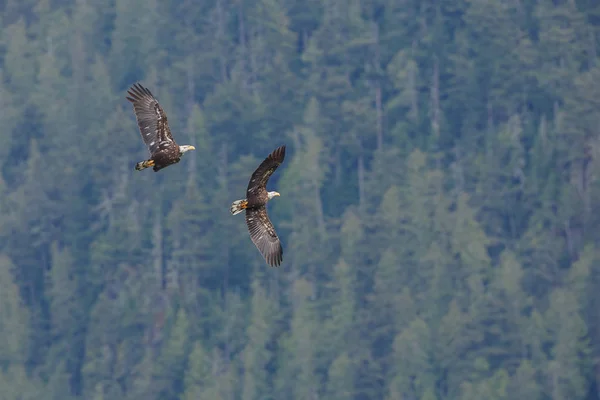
x=185, y=148
x=273, y=194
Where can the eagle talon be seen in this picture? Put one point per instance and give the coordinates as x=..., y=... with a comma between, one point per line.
x=144, y=164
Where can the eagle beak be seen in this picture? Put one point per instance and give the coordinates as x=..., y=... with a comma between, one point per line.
x=186, y=148
x=276, y=194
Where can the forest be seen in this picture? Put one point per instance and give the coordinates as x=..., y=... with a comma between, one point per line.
x=438, y=200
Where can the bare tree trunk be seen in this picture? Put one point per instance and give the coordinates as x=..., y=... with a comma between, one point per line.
x=157, y=252
x=78, y=53
x=224, y=182
x=435, y=101
x=191, y=88
x=243, y=44
x=592, y=48
x=586, y=175
x=361, y=181
x=338, y=167
x=435, y=112
x=458, y=171
x=378, y=105
x=220, y=39
x=414, y=92
x=319, y=209
x=490, y=117
x=253, y=62
x=78, y=59
x=378, y=101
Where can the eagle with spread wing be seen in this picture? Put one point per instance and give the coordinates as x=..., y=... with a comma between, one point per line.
x=261, y=229
x=156, y=134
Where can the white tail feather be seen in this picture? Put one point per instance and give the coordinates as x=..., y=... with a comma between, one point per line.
x=237, y=206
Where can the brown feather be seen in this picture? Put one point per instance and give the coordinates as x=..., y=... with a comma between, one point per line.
x=256, y=193
x=263, y=235
x=151, y=120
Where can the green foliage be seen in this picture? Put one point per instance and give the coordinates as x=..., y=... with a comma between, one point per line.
x=17, y=385
x=198, y=380
x=438, y=209
x=14, y=319
x=167, y=377
x=258, y=352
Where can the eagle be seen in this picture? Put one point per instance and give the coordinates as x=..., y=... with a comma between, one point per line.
x=261, y=229
x=152, y=121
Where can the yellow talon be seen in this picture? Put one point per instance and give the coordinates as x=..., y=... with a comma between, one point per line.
x=144, y=164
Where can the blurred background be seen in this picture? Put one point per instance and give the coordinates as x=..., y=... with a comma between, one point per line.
x=438, y=209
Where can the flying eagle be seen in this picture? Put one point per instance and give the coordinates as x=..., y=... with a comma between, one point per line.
x=261, y=229
x=152, y=121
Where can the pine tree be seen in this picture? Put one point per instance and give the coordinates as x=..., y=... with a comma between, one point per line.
x=16, y=384
x=303, y=184
x=14, y=320
x=134, y=40
x=198, y=382
x=340, y=379
x=20, y=65
x=566, y=371
x=258, y=352
x=403, y=108
x=297, y=373
x=169, y=367
x=341, y=344
x=523, y=384
x=413, y=370
x=453, y=339
x=190, y=227
x=66, y=315
x=8, y=118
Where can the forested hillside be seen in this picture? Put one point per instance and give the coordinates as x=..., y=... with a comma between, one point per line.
x=438, y=210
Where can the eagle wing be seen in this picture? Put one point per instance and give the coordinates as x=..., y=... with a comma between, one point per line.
x=151, y=119
x=263, y=235
x=260, y=177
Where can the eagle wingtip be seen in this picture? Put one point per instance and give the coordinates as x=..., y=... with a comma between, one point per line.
x=279, y=153
x=138, y=90
x=276, y=258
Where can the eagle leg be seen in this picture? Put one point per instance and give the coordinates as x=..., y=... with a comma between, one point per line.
x=144, y=164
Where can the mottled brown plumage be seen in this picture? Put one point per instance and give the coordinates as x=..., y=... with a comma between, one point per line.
x=261, y=229
x=155, y=131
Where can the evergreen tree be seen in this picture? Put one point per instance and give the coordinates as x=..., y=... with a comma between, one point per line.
x=566, y=371
x=523, y=383
x=19, y=61
x=258, y=352
x=167, y=377
x=413, y=372
x=198, y=380
x=437, y=211
x=297, y=375
x=14, y=321
x=17, y=385
x=66, y=316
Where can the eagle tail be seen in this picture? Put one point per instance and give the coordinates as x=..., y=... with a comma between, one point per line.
x=238, y=206
x=144, y=164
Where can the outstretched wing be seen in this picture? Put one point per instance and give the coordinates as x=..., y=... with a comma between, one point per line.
x=264, y=236
x=260, y=177
x=151, y=119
